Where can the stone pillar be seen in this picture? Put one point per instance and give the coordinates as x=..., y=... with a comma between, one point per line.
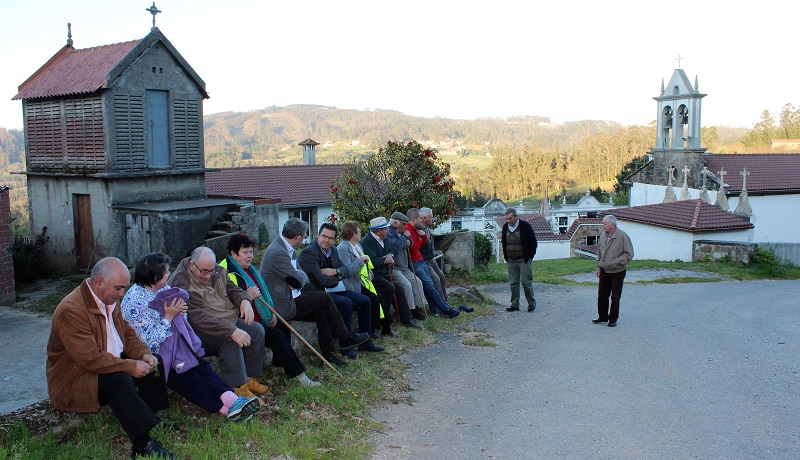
x=7, y=293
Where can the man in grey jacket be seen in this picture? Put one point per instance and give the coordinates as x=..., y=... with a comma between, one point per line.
x=615, y=251
x=284, y=279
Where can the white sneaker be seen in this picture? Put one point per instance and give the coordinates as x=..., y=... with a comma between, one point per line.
x=307, y=382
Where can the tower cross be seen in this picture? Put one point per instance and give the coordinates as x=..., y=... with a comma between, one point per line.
x=744, y=175
x=705, y=175
x=686, y=175
x=722, y=173
x=679, y=61
x=154, y=11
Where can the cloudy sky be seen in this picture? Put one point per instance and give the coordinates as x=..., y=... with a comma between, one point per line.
x=452, y=58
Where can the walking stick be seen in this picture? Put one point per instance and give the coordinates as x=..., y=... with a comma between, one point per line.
x=396, y=303
x=297, y=334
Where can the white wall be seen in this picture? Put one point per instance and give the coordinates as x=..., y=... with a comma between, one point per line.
x=659, y=243
x=774, y=217
x=544, y=251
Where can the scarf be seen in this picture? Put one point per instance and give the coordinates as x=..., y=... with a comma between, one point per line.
x=263, y=312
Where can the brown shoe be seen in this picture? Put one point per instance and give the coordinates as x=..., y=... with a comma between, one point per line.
x=244, y=391
x=257, y=388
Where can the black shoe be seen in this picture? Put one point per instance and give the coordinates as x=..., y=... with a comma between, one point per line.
x=334, y=360
x=450, y=313
x=532, y=306
x=612, y=324
x=599, y=320
x=369, y=346
x=353, y=339
x=419, y=313
x=152, y=448
x=512, y=309
x=350, y=353
x=388, y=332
x=411, y=324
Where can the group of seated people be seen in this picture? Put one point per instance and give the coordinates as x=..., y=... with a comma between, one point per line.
x=126, y=357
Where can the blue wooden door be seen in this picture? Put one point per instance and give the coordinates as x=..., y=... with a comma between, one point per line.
x=157, y=128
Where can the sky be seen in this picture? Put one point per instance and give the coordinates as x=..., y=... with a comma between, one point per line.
x=568, y=61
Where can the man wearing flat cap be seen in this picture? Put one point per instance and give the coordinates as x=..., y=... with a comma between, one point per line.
x=403, y=272
x=380, y=253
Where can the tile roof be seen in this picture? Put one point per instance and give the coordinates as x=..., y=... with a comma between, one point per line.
x=294, y=184
x=687, y=215
x=75, y=71
x=769, y=172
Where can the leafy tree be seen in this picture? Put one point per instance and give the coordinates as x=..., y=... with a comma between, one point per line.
x=397, y=177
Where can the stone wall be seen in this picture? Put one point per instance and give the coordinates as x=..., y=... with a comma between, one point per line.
x=7, y=293
x=716, y=250
x=459, y=249
x=787, y=253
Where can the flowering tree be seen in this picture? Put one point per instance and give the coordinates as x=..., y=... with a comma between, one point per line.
x=397, y=177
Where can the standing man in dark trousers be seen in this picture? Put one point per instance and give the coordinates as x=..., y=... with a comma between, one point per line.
x=519, y=248
x=614, y=252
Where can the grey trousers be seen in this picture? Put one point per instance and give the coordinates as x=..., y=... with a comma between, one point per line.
x=411, y=285
x=237, y=364
x=520, y=272
x=437, y=276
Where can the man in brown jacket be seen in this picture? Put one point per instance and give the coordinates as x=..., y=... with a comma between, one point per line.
x=95, y=359
x=614, y=252
x=221, y=314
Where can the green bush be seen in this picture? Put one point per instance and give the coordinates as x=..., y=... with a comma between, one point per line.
x=28, y=257
x=482, y=248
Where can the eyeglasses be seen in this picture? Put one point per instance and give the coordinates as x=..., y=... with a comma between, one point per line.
x=203, y=271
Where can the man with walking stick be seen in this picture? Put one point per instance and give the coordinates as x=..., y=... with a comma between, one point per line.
x=284, y=280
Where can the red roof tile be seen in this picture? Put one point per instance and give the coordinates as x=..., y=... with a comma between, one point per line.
x=294, y=184
x=769, y=172
x=72, y=71
x=688, y=215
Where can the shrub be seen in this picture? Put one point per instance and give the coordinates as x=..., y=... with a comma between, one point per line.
x=482, y=249
x=28, y=256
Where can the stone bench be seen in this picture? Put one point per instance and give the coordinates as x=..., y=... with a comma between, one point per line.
x=305, y=328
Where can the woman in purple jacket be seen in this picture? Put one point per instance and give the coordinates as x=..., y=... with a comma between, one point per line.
x=158, y=315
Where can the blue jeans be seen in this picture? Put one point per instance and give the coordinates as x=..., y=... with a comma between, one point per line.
x=435, y=301
x=346, y=302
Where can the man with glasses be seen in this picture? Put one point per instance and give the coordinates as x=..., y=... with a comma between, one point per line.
x=519, y=247
x=284, y=279
x=222, y=316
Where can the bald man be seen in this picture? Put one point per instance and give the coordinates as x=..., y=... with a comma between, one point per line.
x=222, y=316
x=94, y=358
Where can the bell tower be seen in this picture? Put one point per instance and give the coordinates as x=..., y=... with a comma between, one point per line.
x=678, y=140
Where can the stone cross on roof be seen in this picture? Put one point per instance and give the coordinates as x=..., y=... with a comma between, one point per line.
x=744, y=175
x=685, y=190
x=679, y=61
x=722, y=200
x=154, y=11
x=704, y=192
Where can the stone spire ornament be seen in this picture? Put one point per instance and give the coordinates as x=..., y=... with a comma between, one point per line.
x=669, y=195
x=743, y=208
x=704, y=192
x=685, y=190
x=69, y=34
x=722, y=199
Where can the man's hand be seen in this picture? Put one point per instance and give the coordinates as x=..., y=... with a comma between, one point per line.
x=421, y=233
x=597, y=273
x=329, y=271
x=141, y=369
x=253, y=292
x=246, y=312
x=241, y=338
x=364, y=258
x=175, y=308
x=273, y=321
x=388, y=259
x=407, y=233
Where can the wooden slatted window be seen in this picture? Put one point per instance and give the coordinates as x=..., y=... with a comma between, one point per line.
x=129, y=131
x=187, y=124
x=45, y=134
x=85, y=136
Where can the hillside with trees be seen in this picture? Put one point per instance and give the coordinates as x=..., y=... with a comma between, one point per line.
x=508, y=157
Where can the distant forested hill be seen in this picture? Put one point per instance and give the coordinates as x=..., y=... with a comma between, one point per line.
x=270, y=136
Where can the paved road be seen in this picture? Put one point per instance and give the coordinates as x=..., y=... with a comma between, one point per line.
x=707, y=370
x=23, y=352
